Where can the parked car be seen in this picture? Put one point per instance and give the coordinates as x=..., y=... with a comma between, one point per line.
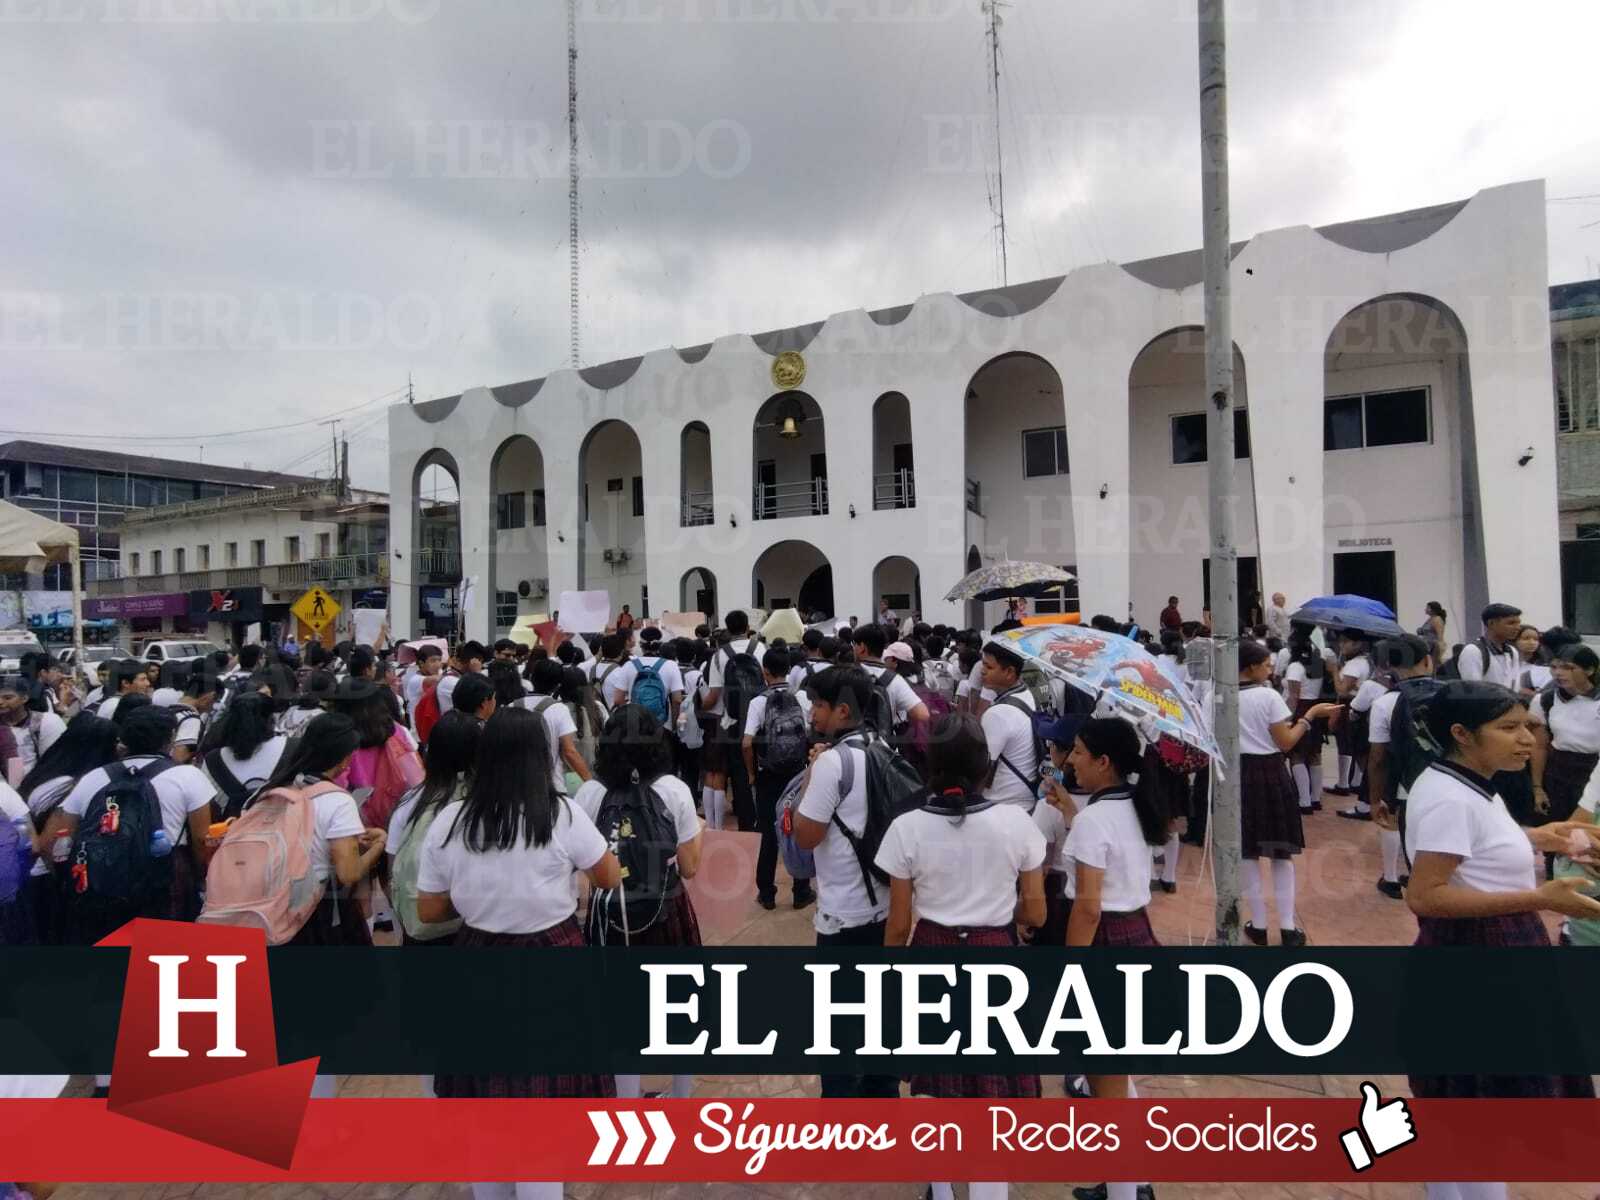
x=177, y=652
x=14, y=643
x=88, y=671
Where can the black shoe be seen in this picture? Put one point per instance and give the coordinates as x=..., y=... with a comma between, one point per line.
x=1099, y=1190
x=1291, y=937
x=1391, y=890
x=1405, y=881
x=1168, y=888
x=767, y=902
x=1355, y=814
x=1077, y=1087
x=383, y=925
x=1256, y=937
x=1340, y=791
x=805, y=899
x=1316, y=806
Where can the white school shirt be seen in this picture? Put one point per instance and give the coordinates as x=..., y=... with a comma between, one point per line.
x=337, y=816
x=1380, y=726
x=293, y=720
x=1106, y=835
x=1503, y=669
x=669, y=789
x=842, y=900
x=446, y=689
x=523, y=889
x=714, y=676
x=1009, y=732
x=263, y=761
x=974, y=682
x=963, y=875
x=1451, y=812
x=619, y=684
x=15, y=809
x=108, y=708
x=558, y=723
x=190, y=728
x=1367, y=694
x=902, y=698
x=166, y=697
x=36, y=735
x=412, y=687
x=1310, y=689
x=1052, y=826
x=41, y=800
x=181, y=791
x=1574, y=724
x=1260, y=708
x=1357, y=668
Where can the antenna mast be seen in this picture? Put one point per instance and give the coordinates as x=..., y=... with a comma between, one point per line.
x=572, y=171
x=991, y=9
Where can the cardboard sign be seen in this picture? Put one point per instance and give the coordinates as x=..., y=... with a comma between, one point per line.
x=681, y=624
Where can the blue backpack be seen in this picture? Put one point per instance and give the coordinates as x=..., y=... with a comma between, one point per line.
x=801, y=864
x=648, y=692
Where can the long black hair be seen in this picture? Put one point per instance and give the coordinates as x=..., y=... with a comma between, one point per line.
x=325, y=742
x=244, y=727
x=1115, y=739
x=958, y=761
x=507, y=682
x=1304, y=651
x=89, y=742
x=511, y=793
x=1470, y=703
x=633, y=747
x=449, y=759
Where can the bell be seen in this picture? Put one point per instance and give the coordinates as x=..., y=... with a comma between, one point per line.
x=790, y=428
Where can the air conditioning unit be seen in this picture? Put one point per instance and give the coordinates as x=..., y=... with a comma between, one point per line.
x=525, y=588
x=623, y=556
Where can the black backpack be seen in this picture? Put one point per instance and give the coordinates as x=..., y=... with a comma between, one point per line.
x=782, y=744
x=742, y=682
x=893, y=788
x=114, y=872
x=1412, y=749
x=1452, y=669
x=641, y=833
x=234, y=790
x=878, y=709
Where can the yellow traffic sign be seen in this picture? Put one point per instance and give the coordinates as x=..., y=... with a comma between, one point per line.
x=316, y=608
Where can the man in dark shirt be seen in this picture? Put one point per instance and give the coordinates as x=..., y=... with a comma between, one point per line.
x=1170, y=617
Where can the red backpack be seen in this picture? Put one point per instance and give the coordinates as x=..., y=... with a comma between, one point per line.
x=427, y=714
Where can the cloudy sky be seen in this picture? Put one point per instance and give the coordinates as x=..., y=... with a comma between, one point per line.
x=223, y=215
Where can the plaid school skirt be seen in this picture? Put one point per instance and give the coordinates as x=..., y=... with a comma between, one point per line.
x=1565, y=774
x=554, y=1087
x=973, y=1087
x=336, y=921
x=1269, y=809
x=676, y=926
x=1510, y=929
x=1056, y=907
x=1309, y=748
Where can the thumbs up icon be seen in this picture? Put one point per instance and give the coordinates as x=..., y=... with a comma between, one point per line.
x=1383, y=1128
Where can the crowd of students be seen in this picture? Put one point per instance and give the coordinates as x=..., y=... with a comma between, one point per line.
x=924, y=784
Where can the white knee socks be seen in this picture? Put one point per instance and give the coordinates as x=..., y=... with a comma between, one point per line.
x=1389, y=845
x=1250, y=885
x=1345, y=763
x=716, y=805
x=1302, y=782
x=1169, y=865
x=1283, y=891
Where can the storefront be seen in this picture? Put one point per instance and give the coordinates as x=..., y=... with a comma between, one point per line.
x=144, y=615
x=225, y=615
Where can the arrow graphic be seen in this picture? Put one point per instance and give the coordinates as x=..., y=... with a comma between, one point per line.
x=605, y=1138
x=662, y=1128
x=606, y=1126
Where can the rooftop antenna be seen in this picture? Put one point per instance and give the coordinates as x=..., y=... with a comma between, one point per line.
x=572, y=171
x=991, y=9
x=411, y=394
x=334, y=440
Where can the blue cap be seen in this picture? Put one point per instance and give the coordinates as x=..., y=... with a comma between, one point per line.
x=1056, y=728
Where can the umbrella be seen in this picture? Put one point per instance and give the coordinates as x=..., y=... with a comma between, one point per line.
x=1118, y=670
x=1357, y=613
x=1001, y=580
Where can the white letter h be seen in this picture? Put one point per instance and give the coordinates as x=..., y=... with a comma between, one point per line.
x=225, y=1005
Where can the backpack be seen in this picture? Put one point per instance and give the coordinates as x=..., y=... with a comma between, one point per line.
x=877, y=711
x=742, y=682
x=403, y=882
x=117, y=872
x=938, y=704
x=782, y=745
x=801, y=864
x=16, y=860
x=1452, y=669
x=236, y=791
x=648, y=692
x=1412, y=749
x=427, y=714
x=1040, y=754
x=640, y=831
x=399, y=770
x=262, y=875
x=600, y=678
x=893, y=788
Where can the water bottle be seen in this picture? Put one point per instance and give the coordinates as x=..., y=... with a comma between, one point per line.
x=160, y=843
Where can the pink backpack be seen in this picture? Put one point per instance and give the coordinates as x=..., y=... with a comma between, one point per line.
x=262, y=875
x=394, y=770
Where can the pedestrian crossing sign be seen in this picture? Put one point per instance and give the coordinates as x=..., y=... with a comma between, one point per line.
x=316, y=608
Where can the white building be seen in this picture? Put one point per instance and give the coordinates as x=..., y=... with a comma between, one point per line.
x=1394, y=376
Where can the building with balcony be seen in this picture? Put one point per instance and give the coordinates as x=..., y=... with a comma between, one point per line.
x=214, y=567
x=1391, y=384
x=1575, y=350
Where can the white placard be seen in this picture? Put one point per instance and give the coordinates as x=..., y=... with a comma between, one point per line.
x=584, y=612
x=368, y=622
x=681, y=624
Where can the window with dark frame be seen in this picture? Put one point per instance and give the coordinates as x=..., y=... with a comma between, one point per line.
x=505, y=609
x=538, y=508
x=638, y=495
x=1189, y=437
x=510, y=510
x=1399, y=417
x=1044, y=452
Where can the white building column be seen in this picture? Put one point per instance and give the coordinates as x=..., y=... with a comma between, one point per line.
x=402, y=566
x=477, y=535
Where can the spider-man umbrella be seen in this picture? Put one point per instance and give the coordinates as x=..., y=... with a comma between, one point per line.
x=1117, y=669
x=1002, y=580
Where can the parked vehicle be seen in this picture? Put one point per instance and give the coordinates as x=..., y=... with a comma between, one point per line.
x=14, y=643
x=178, y=652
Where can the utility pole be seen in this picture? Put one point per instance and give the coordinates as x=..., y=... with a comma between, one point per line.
x=1224, y=568
x=572, y=172
x=333, y=434
x=992, y=9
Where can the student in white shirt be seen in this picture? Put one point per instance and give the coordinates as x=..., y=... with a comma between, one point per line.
x=1008, y=727
x=34, y=731
x=560, y=730
x=773, y=777
x=1566, y=720
x=1535, y=675
x=619, y=684
x=852, y=907
x=502, y=859
x=1269, y=808
x=1493, y=658
x=467, y=659
x=128, y=678
x=724, y=760
x=449, y=760
x=1307, y=681
x=1474, y=871
x=196, y=704
x=963, y=871
x=241, y=751
x=429, y=663
x=869, y=643
x=1355, y=667
x=1406, y=657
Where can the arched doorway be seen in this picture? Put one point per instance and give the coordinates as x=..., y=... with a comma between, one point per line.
x=611, y=527
x=435, y=568
x=1170, y=518
x=974, y=607
x=897, y=580
x=790, y=454
x=519, y=564
x=697, y=592
x=794, y=574
x=695, y=485
x=894, y=477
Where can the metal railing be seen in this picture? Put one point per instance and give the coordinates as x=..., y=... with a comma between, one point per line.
x=438, y=563
x=897, y=489
x=696, y=509
x=340, y=569
x=358, y=570
x=974, y=498
x=808, y=499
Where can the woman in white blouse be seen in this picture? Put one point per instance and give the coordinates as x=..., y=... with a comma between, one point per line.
x=1567, y=720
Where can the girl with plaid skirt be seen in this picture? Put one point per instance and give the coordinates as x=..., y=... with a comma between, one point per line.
x=635, y=749
x=503, y=859
x=1307, y=677
x=1269, y=807
x=963, y=871
x=1474, y=871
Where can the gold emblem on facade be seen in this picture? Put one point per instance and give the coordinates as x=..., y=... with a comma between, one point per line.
x=788, y=370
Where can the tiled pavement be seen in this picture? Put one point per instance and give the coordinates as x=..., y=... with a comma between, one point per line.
x=1339, y=905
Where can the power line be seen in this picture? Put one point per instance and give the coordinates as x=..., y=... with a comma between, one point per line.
x=191, y=438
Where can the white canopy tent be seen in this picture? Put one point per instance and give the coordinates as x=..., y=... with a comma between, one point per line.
x=29, y=542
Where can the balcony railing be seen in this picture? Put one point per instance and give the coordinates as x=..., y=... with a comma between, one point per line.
x=440, y=564
x=697, y=509
x=897, y=489
x=809, y=499
x=342, y=569
x=974, y=498
x=345, y=570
